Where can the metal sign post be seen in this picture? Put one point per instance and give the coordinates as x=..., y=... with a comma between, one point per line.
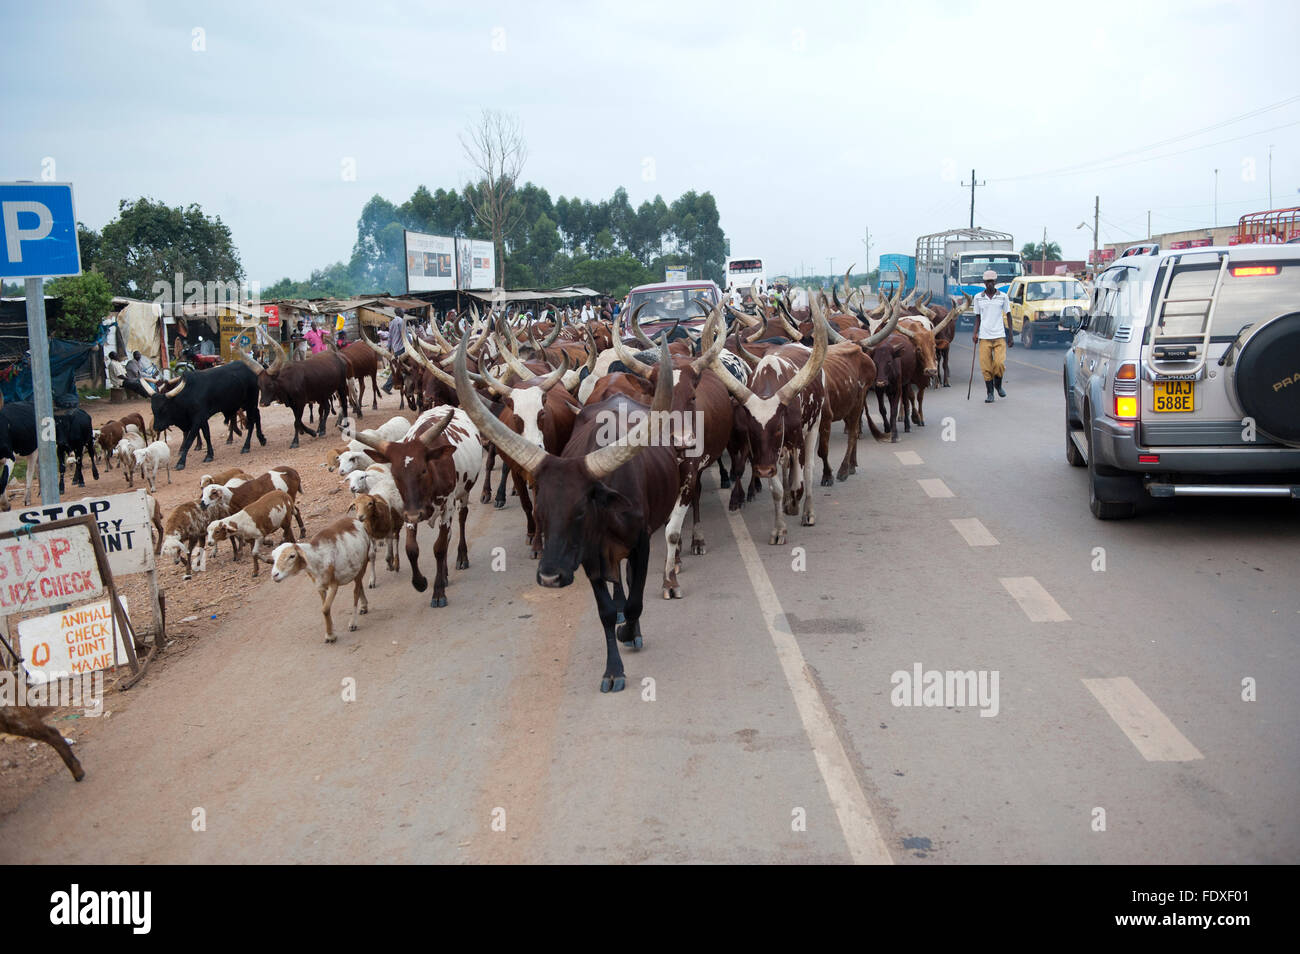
x=38, y=233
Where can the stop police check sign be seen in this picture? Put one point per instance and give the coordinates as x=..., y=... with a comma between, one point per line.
x=124, y=527
x=57, y=566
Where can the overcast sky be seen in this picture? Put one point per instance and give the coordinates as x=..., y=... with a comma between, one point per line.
x=808, y=121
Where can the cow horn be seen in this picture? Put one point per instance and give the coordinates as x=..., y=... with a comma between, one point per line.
x=432, y=434
x=178, y=389
x=593, y=349
x=529, y=457
x=744, y=355
x=635, y=324
x=881, y=334
x=413, y=349
x=812, y=367
x=502, y=390
x=555, y=333
x=247, y=358
x=634, y=364
x=848, y=291
x=521, y=370
x=953, y=313
x=143, y=383
x=443, y=343
x=905, y=331
x=556, y=376
x=832, y=334
x=715, y=347
x=835, y=298
x=603, y=462
x=280, y=357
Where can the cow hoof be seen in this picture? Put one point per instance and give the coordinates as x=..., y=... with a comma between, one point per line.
x=420, y=585
x=462, y=564
x=698, y=548
x=809, y=520
x=438, y=602
x=499, y=504
x=946, y=384
x=294, y=444
x=363, y=611
x=842, y=476
x=672, y=592
x=245, y=450
x=331, y=638
x=630, y=634
x=777, y=538
x=352, y=627
x=371, y=585
x=828, y=481
x=485, y=496
x=186, y=577
x=612, y=684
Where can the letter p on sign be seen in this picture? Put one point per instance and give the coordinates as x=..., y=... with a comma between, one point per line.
x=39, y=230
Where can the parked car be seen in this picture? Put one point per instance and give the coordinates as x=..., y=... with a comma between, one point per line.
x=667, y=303
x=1046, y=308
x=1184, y=379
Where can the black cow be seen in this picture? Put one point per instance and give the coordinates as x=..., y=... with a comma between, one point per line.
x=17, y=439
x=224, y=390
x=75, y=435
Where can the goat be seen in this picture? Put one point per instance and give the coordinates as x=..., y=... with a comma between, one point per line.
x=237, y=496
x=186, y=529
x=253, y=524
x=382, y=522
x=150, y=458
x=336, y=555
x=225, y=477
x=125, y=452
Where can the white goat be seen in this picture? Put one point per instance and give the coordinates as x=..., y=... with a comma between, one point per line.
x=150, y=458
x=335, y=556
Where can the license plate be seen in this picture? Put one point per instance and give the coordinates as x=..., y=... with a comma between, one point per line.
x=1175, y=396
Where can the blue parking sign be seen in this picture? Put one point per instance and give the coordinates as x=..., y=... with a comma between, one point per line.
x=38, y=230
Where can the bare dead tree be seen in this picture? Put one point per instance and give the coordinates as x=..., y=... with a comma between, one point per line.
x=495, y=147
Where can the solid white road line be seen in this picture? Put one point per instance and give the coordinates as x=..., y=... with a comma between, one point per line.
x=865, y=844
x=908, y=458
x=1034, y=600
x=974, y=533
x=934, y=487
x=1146, y=726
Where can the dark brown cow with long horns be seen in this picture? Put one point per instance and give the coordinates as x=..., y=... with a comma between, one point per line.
x=296, y=384
x=598, y=501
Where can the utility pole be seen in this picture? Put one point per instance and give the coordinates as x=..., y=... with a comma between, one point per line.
x=972, y=185
x=1148, y=225
x=866, y=244
x=1270, y=175
x=830, y=268
x=1042, y=254
x=1216, y=198
x=1096, y=217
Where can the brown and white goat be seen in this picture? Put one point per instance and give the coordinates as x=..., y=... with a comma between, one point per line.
x=253, y=524
x=335, y=556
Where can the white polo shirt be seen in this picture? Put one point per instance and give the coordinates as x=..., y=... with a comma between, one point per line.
x=991, y=312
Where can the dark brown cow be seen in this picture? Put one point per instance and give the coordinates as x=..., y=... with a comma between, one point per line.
x=296, y=384
x=434, y=467
x=847, y=375
x=781, y=412
x=597, y=502
x=362, y=364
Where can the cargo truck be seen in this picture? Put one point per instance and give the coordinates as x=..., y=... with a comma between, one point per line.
x=952, y=263
x=889, y=266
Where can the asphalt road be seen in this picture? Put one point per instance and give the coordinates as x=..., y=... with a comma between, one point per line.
x=759, y=723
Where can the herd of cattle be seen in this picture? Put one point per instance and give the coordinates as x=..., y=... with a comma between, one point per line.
x=573, y=410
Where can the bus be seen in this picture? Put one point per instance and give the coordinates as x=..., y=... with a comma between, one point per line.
x=741, y=273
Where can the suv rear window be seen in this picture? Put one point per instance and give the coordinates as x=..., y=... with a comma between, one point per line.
x=1243, y=300
x=670, y=304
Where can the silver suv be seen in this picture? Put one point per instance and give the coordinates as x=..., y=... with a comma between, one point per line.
x=1184, y=379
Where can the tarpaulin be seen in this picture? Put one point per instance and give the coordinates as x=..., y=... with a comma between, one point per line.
x=66, y=358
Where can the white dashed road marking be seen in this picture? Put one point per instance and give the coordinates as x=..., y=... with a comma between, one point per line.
x=934, y=487
x=974, y=532
x=908, y=458
x=1146, y=726
x=1034, y=600
x=866, y=846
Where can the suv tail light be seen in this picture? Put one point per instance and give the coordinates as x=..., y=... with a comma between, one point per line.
x=1126, y=393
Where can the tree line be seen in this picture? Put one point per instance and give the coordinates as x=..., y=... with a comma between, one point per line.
x=606, y=245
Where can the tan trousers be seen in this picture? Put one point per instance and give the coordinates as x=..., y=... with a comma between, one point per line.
x=993, y=357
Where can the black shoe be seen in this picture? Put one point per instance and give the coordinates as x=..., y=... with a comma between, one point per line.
x=997, y=383
x=988, y=387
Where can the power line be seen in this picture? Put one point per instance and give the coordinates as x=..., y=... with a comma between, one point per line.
x=1087, y=166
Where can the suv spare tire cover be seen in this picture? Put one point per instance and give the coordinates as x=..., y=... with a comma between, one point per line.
x=1266, y=378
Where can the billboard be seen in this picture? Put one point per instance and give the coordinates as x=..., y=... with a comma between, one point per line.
x=430, y=262
x=475, y=264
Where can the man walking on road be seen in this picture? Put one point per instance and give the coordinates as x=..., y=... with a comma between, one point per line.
x=991, y=309
x=396, y=341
